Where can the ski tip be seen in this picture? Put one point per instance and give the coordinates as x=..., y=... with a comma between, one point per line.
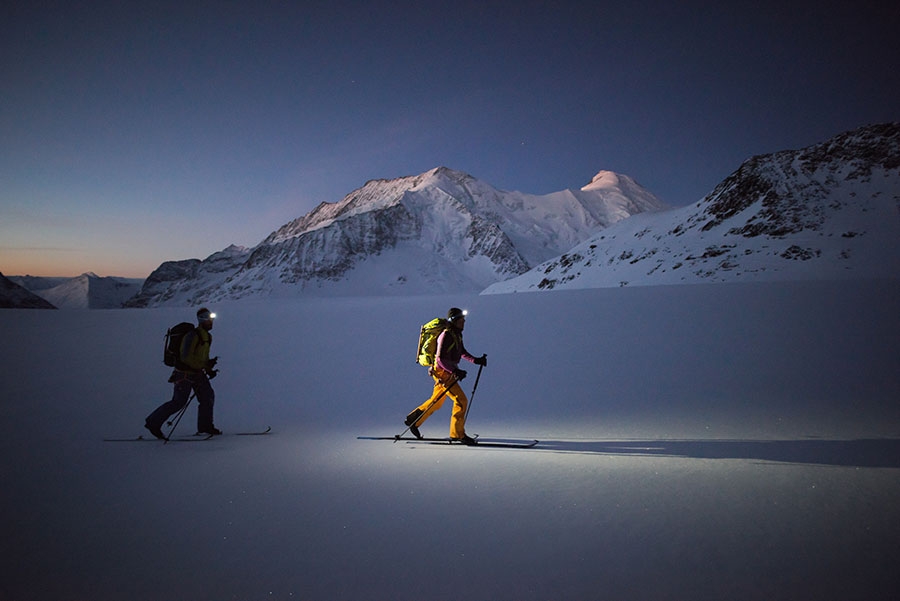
x=268, y=430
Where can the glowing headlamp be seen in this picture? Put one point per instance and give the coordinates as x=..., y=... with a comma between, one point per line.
x=455, y=314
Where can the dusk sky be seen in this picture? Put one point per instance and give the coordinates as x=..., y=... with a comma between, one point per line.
x=135, y=133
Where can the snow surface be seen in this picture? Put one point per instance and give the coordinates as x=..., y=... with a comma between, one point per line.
x=697, y=442
x=845, y=228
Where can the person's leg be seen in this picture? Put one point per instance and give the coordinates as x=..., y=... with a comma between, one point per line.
x=206, y=398
x=458, y=417
x=180, y=396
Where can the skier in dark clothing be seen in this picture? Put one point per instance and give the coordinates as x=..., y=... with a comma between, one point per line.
x=193, y=370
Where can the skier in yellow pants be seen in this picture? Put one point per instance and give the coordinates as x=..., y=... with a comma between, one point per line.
x=446, y=374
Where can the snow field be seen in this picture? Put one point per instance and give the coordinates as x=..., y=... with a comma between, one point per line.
x=698, y=442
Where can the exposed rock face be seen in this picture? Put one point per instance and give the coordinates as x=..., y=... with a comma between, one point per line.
x=440, y=231
x=14, y=296
x=828, y=211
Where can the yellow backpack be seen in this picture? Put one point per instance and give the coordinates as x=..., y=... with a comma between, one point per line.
x=428, y=337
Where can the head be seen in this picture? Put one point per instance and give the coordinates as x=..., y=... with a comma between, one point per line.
x=205, y=318
x=457, y=318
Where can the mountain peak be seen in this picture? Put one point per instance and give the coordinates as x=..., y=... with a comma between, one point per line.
x=828, y=211
x=603, y=180
x=437, y=232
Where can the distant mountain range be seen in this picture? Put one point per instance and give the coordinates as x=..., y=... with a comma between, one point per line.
x=828, y=211
x=87, y=291
x=14, y=296
x=437, y=232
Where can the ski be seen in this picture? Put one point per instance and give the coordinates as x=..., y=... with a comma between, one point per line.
x=479, y=442
x=154, y=439
x=398, y=438
x=266, y=431
x=195, y=438
x=211, y=436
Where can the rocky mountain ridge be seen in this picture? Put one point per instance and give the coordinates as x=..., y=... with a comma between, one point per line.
x=86, y=291
x=829, y=211
x=440, y=231
x=15, y=296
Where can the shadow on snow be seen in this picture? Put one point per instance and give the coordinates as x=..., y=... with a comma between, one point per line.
x=883, y=453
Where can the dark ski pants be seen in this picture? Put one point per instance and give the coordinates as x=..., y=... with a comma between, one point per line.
x=184, y=383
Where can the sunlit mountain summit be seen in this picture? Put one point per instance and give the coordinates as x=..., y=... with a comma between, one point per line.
x=437, y=232
x=828, y=211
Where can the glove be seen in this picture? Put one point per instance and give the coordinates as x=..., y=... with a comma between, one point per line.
x=482, y=360
x=211, y=373
x=460, y=374
x=212, y=363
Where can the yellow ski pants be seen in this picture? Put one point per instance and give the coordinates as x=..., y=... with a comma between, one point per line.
x=460, y=402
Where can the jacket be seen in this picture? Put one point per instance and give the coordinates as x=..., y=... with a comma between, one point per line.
x=450, y=350
x=195, y=350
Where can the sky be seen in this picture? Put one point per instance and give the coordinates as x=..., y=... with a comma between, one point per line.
x=136, y=133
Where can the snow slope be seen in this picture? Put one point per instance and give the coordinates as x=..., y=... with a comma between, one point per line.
x=828, y=211
x=89, y=291
x=436, y=232
x=697, y=442
x=15, y=296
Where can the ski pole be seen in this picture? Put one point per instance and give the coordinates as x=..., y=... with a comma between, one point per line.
x=439, y=397
x=180, y=414
x=474, y=388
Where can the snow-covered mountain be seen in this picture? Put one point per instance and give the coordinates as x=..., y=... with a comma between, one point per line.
x=174, y=281
x=15, y=296
x=35, y=283
x=829, y=211
x=87, y=291
x=440, y=231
